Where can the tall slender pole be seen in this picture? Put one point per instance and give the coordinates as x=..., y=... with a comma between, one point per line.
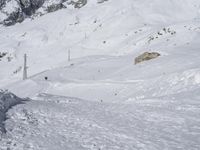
x=25, y=67
x=69, y=57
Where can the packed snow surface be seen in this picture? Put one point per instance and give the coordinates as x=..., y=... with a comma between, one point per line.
x=98, y=99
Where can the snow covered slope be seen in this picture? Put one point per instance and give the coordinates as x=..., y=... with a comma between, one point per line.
x=55, y=122
x=104, y=101
x=111, y=28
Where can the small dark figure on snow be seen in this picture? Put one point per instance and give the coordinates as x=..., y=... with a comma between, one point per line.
x=46, y=78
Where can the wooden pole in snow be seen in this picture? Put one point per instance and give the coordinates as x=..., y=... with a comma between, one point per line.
x=25, y=67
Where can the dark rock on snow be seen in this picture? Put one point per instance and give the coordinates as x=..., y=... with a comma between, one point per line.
x=7, y=100
x=15, y=11
x=146, y=56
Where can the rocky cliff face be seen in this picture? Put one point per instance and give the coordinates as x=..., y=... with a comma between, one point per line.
x=13, y=11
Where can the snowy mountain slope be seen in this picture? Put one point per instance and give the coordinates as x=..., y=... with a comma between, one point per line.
x=116, y=104
x=178, y=67
x=128, y=27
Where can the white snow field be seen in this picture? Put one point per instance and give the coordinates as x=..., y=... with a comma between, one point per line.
x=101, y=100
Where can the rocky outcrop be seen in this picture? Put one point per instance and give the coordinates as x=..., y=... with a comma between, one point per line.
x=14, y=17
x=146, y=56
x=30, y=6
x=55, y=7
x=1, y=3
x=14, y=11
x=79, y=3
x=101, y=1
x=7, y=100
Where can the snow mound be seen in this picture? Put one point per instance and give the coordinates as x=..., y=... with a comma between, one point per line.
x=7, y=100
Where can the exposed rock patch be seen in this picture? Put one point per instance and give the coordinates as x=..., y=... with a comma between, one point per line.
x=101, y=1
x=55, y=7
x=7, y=100
x=146, y=56
x=15, y=11
x=78, y=4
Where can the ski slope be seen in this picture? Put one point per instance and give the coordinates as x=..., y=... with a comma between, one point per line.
x=55, y=122
x=101, y=100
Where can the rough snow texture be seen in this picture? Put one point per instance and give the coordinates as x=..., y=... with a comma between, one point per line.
x=57, y=122
x=101, y=100
x=7, y=100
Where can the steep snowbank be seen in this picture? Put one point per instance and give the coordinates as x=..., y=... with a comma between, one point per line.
x=7, y=100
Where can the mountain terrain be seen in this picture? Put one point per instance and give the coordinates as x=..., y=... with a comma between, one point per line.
x=85, y=90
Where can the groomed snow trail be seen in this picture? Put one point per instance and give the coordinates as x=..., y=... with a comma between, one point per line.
x=61, y=123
